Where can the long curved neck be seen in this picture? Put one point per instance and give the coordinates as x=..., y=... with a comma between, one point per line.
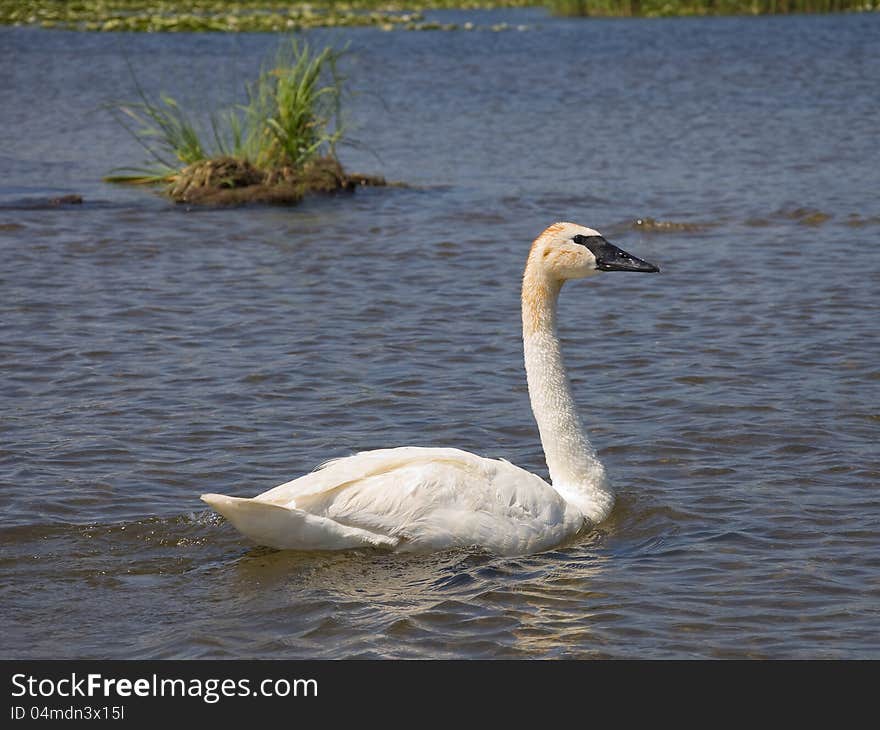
x=575, y=470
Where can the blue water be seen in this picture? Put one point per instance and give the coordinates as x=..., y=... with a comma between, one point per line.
x=150, y=352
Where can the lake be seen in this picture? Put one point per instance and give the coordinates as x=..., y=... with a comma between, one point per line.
x=151, y=352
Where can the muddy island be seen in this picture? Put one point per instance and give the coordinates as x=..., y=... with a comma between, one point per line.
x=277, y=148
x=230, y=181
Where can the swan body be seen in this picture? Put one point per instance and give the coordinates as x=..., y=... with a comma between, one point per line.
x=416, y=498
x=408, y=498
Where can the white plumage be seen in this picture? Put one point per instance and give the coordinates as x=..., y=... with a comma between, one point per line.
x=415, y=498
x=409, y=498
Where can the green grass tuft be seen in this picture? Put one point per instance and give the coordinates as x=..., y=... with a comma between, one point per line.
x=293, y=112
x=292, y=116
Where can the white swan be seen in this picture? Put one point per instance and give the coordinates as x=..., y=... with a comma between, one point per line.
x=415, y=498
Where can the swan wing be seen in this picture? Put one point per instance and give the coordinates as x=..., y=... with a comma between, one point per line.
x=430, y=498
x=338, y=473
x=283, y=528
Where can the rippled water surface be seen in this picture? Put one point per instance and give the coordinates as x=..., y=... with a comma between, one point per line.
x=150, y=353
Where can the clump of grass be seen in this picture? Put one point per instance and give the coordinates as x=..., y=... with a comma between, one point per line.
x=166, y=132
x=286, y=134
x=293, y=112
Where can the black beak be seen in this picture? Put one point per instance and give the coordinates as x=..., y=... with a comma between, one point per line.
x=611, y=258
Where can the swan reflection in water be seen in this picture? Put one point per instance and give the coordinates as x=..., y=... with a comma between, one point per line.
x=364, y=603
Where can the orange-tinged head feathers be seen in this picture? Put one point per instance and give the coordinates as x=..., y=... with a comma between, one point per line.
x=566, y=251
x=557, y=255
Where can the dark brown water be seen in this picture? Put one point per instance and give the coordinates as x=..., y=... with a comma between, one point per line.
x=150, y=353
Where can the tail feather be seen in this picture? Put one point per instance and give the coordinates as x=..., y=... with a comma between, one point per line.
x=291, y=529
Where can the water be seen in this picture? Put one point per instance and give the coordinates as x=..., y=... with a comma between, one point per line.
x=150, y=353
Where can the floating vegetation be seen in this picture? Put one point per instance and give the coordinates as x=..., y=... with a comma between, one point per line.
x=251, y=16
x=655, y=226
x=812, y=217
x=272, y=16
x=805, y=216
x=658, y=8
x=857, y=221
x=277, y=148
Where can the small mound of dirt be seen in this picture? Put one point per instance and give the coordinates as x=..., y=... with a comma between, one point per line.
x=230, y=181
x=805, y=216
x=222, y=173
x=651, y=224
x=72, y=199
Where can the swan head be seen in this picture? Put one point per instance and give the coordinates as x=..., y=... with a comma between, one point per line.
x=569, y=251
